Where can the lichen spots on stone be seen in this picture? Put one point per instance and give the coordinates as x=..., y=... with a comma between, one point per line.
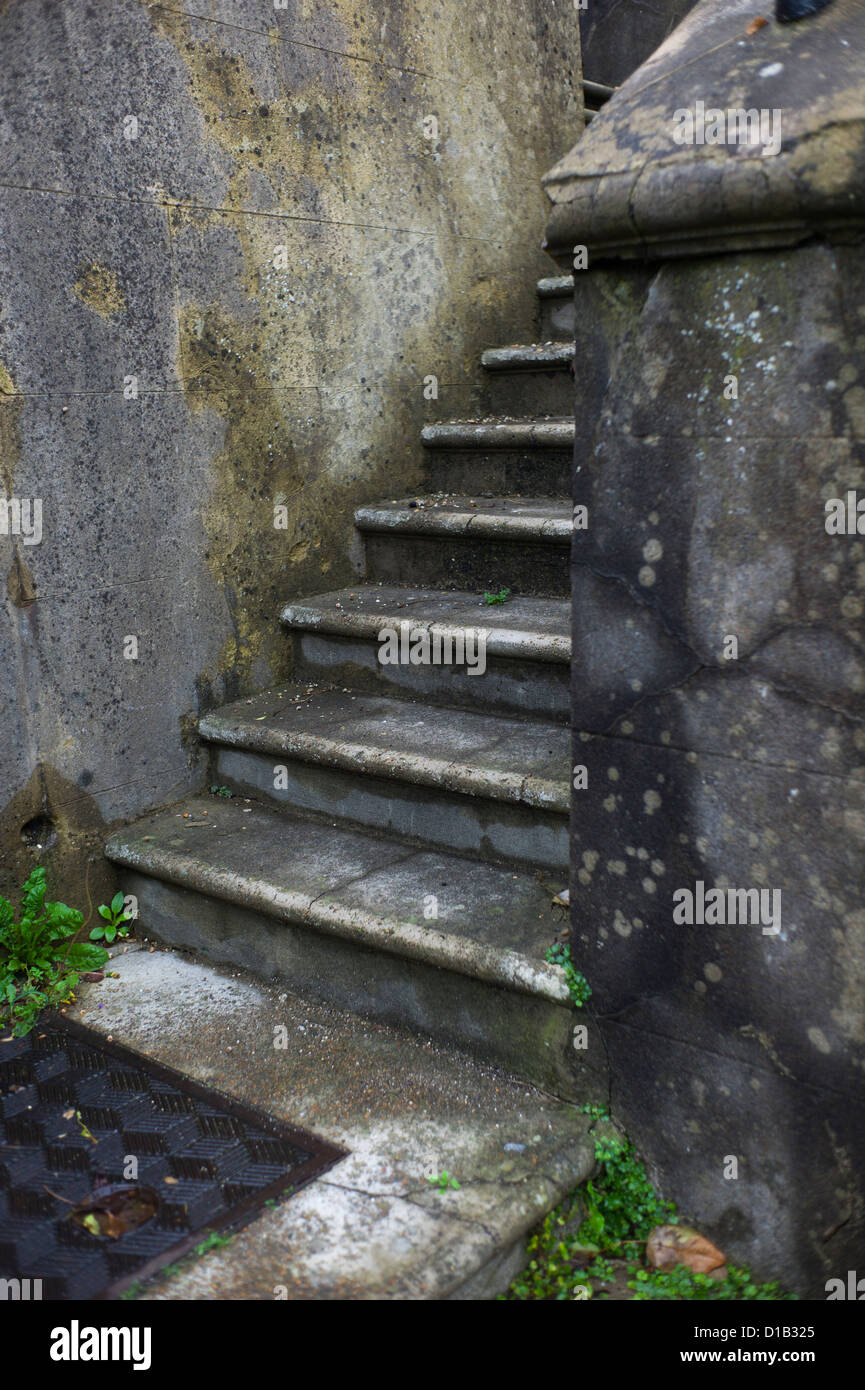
x=621, y=924
x=850, y=1013
x=818, y=1039
x=99, y=289
x=10, y=439
x=299, y=552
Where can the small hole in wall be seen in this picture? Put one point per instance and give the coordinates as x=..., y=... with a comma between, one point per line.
x=39, y=833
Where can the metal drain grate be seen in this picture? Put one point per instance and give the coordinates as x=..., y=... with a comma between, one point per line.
x=211, y=1161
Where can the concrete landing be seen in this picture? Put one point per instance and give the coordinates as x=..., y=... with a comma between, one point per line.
x=373, y=1227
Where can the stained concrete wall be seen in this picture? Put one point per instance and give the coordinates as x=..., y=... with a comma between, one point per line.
x=229, y=256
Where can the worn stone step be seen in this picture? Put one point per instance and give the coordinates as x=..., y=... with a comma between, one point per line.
x=556, y=287
x=498, y=455
x=445, y=945
x=529, y=357
x=478, y=783
x=556, y=295
x=457, y=542
x=532, y=377
x=519, y=650
x=540, y=432
x=373, y=1227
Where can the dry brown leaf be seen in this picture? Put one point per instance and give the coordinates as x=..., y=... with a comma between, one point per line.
x=114, y=1209
x=669, y=1246
x=758, y=23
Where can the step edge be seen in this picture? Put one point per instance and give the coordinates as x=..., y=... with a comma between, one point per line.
x=553, y=432
x=527, y=355
x=556, y=286
x=417, y=522
x=510, y=643
x=524, y=357
x=535, y=793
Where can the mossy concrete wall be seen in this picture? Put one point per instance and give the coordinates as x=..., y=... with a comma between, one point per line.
x=233, y=243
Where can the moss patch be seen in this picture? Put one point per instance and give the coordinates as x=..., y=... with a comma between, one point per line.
x=99, y=289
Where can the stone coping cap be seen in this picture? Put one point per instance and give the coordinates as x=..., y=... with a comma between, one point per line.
x=629, y=189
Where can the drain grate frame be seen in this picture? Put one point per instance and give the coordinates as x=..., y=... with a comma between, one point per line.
x=225, y=1158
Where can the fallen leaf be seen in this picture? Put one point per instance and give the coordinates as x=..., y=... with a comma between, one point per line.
x=85, y=1132
x=115, y=1209
x=758, y=23
x=669, y=1246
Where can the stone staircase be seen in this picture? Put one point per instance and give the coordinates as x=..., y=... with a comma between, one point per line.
x=397, y=833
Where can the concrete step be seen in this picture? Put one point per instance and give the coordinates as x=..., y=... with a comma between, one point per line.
x=597, y=94
x=460, y=542
x=541, y=432
x=556, y=287
x=556, y=294
x=373, y=1227
x=529, y=357
x=535, y=377
x=443, y=945
x=519, y=651
x=497, y=455
x=481, y=784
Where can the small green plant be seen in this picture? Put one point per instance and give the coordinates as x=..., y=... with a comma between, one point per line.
x=621, y=1205
x=501, y=597
x=610, y=1220
x=40, y=960
x=213, y=1241
x=115, y=920
x=682, y=1283
x=443, y=1181
x=221, y=791
x=581, y=990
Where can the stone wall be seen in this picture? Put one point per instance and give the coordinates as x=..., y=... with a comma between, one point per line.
x=708, y=522
x=232, y=247
x=719, y=629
